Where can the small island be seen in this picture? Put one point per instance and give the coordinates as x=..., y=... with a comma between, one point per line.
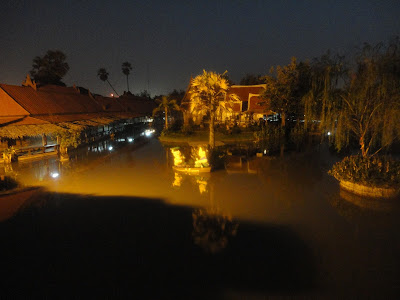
x=377, y=177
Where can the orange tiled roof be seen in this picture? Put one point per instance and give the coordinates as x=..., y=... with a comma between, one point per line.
x=243, y=91
x=109, y=104
x=51, y=100
x=258, y=105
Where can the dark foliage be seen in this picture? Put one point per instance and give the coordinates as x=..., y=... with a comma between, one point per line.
x=375, y=170
x=50, y=68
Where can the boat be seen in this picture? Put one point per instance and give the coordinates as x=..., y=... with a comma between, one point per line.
x=192, y=170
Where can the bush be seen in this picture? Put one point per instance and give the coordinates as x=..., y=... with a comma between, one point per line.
x=187, y=129
x=380, y=171
x=270, y=138
x=254, y=127
x=298, y=136
x=216, y=158
x=236, y=129
x=8, y=183
x=176, y=125
x=221, y=128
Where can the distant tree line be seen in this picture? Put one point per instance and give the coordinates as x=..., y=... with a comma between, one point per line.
x=356, y=100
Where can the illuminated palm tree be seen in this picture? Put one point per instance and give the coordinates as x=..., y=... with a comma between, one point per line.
x=166, y=106
x=208, y=91
x=126, y=69
x=103, y=75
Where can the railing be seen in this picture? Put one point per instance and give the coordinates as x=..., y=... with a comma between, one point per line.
x=34, y=150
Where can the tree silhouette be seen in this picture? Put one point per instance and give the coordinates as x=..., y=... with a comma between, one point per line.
x=126, y=69
x=251, y=79
x=370, y=108
x=166, y=106
x=103, y=75
x=50, y=68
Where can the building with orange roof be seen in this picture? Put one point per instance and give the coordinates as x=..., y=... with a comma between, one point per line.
x=29, y=113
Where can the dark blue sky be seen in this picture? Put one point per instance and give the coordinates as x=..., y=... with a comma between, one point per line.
x=168, y=41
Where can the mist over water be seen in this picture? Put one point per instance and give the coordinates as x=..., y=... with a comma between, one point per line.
x=263, y=226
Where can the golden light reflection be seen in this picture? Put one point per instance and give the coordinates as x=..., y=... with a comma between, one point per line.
x=202, y=182
x=212, y=231
x=177, y=180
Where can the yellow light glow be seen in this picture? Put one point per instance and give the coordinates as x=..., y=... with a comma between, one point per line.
x=178, y=180
x=178, y=157
x=202, y=184
x=201, y=160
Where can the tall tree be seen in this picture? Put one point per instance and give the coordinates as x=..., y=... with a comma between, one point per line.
x=50, y=68
x=207, y=91
x=178, y=95
x=126, y=69
x=165, y=105
x=285, y=89
x=103, y=75
x=328, y=74
x=370, y=110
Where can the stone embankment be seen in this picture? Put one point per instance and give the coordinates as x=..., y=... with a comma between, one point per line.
x=370, y=191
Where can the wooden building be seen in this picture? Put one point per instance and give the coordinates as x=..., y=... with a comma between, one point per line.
x=31, y=116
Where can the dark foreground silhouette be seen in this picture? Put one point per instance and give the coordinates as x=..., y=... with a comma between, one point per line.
x=62, y=245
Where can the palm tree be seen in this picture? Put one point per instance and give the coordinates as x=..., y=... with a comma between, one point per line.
x=165, y=105
x=208, y=91
x=103, y=75
x=126, y=68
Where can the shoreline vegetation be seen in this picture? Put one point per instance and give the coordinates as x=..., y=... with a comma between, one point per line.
x=371, y=176
x=377, y=176
x=201, y=137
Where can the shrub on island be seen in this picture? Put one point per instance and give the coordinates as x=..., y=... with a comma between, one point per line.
x=368, y=175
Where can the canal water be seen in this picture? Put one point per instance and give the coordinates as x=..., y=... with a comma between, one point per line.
x=117, y=221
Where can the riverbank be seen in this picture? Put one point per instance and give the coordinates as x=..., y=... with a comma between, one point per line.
x=203, y=136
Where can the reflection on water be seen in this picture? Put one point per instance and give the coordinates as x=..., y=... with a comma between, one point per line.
x=297, y=209
x=212, y=228
x=240, y=164
x=177, y=180
x=202, y=182
x=212, y=231
x=367, y=203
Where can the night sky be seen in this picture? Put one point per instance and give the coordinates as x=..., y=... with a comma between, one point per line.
x=168, y=41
